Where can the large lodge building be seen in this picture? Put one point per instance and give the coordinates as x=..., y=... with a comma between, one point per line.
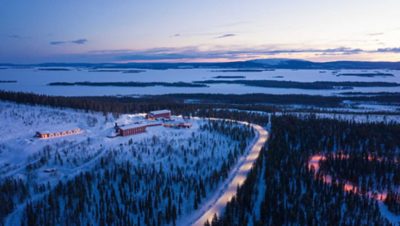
x=131, y=129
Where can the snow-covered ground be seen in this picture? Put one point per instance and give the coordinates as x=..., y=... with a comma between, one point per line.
x=197, y=152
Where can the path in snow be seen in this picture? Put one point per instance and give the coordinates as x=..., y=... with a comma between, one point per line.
x=314, y=163
x=228, y=189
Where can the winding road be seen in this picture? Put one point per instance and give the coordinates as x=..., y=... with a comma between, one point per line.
x=225, y=194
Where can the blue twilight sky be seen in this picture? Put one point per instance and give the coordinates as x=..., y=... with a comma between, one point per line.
x=34, y=31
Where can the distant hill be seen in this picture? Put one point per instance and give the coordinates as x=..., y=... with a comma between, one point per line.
x=303, y=64
x=252, y=64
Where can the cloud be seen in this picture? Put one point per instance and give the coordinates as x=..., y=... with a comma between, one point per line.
x=376, y=34
x=57, y=42
x=389, y=50
x=226, y=35
x=234, y=23
x=343, y=51
x=329, y=51
x=16, y=36
x=193, y=53
x=80, y=41
x=77, y=42
x=216, y=35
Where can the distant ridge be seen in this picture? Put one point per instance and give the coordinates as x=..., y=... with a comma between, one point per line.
x=251, y=64
x=303, y=64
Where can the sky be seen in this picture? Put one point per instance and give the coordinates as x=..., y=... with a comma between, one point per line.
x=198, y=31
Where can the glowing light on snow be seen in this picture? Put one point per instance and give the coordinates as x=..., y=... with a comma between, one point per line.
x=238, y=179
x=314, y=163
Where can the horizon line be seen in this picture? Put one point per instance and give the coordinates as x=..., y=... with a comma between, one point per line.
x=199, y=62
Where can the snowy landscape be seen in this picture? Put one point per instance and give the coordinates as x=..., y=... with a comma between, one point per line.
x=200, y=113
x=65, y=160
x=178, y=175
x=161, y=175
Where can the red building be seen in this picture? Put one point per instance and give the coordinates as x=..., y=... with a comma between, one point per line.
x=161, y=114
x=151, y=124
x=47, y=135
x=178, y=125
x=131, y=129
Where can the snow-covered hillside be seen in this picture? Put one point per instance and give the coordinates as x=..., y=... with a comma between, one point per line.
x=154, y=177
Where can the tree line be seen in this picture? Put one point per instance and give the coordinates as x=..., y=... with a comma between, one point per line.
x=282, y=190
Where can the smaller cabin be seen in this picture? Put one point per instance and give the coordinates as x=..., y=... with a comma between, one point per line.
x=178, y=125
x=47, y=135
x=152, y=124
x=160, y=114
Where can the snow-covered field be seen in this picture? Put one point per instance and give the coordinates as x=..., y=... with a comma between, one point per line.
x=171, y=171
x=34, y=80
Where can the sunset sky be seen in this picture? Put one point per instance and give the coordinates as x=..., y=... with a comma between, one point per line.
x=208, y=30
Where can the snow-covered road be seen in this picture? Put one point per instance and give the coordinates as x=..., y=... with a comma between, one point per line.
x=229, y=189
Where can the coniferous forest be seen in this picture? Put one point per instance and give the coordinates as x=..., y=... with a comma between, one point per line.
x=200, y=113
x=122, y=191
x=281, y=189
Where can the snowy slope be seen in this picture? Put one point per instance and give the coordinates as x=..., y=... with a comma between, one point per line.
x=196, y=160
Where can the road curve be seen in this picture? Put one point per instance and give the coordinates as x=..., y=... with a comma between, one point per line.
x=239, y=177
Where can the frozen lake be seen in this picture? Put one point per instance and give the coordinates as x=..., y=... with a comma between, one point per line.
x=34, y=80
